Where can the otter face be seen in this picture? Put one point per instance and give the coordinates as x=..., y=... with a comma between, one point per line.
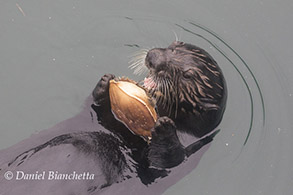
x=188, y=86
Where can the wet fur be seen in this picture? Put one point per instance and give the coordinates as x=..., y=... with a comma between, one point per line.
x=190, y=87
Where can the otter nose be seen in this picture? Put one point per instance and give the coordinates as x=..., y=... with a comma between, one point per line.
x=156, y=59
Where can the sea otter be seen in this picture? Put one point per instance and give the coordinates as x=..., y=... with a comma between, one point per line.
x=190, y=94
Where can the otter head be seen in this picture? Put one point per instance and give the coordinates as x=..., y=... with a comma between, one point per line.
x=188, y=86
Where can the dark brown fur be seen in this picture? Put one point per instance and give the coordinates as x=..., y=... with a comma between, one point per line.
x=190, y=87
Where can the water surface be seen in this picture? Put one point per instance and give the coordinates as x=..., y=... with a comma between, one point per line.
x=53, y=53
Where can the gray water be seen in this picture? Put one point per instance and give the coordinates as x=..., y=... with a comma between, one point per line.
x=52, y=53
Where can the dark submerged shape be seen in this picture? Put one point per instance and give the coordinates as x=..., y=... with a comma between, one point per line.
x=189, y=87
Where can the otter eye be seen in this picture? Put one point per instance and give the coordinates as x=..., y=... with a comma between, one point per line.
x=161, y=73
x=172, y=49
x=188, y=74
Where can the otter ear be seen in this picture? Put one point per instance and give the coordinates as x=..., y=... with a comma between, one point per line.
x=176, y=44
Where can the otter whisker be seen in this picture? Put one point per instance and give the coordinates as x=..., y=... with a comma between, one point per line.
x=137, y=62
x=169, y=100
x=158, y=93
x=169, y=94
x=170, y=88
x=138, y=70
x=175, y=98
x=138, y=57
x=176, y=37
x=141, y=51
x=165, y=93
x=162, y=95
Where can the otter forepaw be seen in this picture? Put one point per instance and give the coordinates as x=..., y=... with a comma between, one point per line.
x=163, y=127
x=165, y=149
x=101, y=91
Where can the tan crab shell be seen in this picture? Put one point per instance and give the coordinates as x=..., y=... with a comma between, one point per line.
x=132, y=106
